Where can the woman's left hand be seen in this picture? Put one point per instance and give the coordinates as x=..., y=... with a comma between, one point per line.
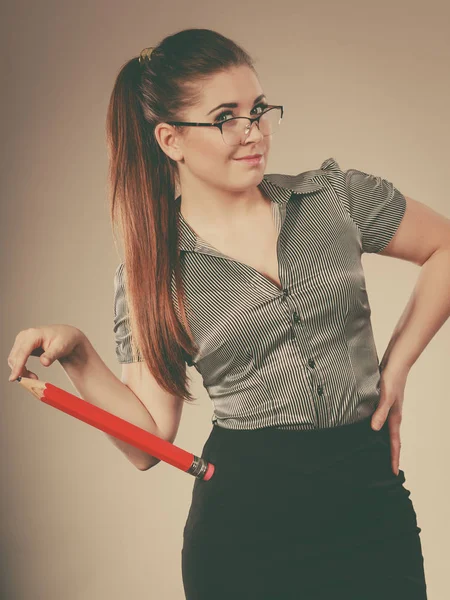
x=392, y=388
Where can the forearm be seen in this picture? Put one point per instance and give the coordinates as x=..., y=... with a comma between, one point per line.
x=426, y=311
x=97, y=384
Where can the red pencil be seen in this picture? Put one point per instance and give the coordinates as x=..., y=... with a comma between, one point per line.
x=119, y=428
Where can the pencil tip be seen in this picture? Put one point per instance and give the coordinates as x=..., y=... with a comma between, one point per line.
x=19, y=378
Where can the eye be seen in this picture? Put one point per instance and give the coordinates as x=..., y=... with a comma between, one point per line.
x=218, y=119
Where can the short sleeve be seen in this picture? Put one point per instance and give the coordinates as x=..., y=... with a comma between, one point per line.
x=121, y=328
x=376, y=206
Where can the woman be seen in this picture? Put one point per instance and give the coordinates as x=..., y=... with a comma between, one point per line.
x=256, y=280
x=304, y=502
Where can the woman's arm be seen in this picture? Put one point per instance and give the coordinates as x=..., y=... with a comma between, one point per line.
x=97, y=384
x=426, y=311
x=423, y=238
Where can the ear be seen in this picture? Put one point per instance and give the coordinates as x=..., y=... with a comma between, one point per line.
x=169, y=140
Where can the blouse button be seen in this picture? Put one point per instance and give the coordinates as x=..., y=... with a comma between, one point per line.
x=296, y=317
x=319, y=390
x=311, y=363
x=285, y=293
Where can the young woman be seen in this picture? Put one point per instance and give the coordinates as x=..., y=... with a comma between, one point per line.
x=256, y=280
x=305, y=502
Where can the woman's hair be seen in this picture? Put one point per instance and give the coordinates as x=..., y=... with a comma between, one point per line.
x=143, y=180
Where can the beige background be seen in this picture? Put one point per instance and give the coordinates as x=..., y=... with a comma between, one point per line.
x=366, y=83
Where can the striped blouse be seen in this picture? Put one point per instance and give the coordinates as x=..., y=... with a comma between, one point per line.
x=299, y=357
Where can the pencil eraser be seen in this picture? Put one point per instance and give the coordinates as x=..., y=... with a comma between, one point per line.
x=209, y=472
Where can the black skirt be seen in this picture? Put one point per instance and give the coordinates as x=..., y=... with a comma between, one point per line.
x=302, y=514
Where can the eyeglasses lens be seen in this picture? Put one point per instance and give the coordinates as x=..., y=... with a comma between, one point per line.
x=234, y=130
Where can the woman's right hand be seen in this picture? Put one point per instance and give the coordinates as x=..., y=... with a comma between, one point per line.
x=49, y=342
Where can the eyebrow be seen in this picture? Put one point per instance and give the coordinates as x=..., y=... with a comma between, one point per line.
x=234, y=104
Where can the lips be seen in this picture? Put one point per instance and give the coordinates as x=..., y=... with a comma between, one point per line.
x=249, y=157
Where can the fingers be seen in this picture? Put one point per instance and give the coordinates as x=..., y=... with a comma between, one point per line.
x=27, y=343
x=394, y=417
x=49, y=343
x=379, y=417
x=395, y=464
x=23, y=373
x=395, y=443
x=395, y=450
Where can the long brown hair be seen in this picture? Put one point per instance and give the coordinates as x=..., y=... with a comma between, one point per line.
x=143, y=183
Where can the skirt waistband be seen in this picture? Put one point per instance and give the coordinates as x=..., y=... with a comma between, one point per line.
x=269, y=445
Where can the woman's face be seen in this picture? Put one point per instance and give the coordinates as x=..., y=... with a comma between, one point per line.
x=201, y=152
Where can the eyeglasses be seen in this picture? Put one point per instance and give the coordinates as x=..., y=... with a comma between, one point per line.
x=236, y=130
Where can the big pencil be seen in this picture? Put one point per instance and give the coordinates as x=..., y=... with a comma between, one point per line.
x=119, y=428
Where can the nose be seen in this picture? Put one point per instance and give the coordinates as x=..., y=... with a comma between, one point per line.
x=251, y=133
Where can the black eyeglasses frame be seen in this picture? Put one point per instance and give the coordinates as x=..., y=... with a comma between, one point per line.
x=220, y=124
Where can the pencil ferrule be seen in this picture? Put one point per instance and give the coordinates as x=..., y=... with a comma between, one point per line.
x=198, y=468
